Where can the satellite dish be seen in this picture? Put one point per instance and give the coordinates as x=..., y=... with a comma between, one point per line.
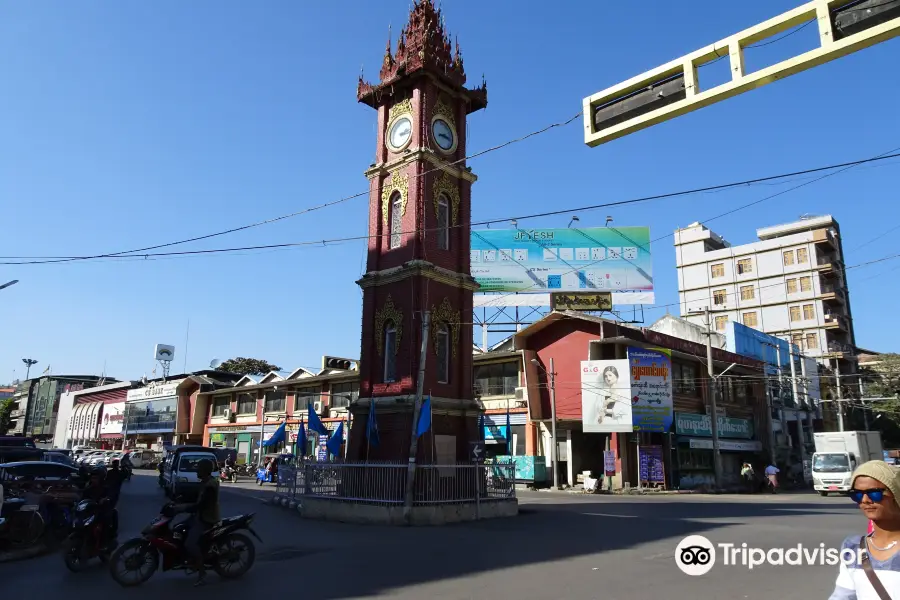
x=214, y=363
x=144, y=380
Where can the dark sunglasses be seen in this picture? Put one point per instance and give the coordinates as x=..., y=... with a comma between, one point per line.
x=875, y=495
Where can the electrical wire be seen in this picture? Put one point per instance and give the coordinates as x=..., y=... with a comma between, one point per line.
x=28, y=260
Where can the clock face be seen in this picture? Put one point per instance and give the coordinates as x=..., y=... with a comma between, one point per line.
x=443, y=134
x=400, y=133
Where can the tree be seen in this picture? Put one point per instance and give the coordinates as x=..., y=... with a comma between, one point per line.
x=6, y=407
x=881, y=379
x=247, y=366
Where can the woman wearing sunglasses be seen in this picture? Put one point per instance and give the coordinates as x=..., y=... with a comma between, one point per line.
x=875, y=574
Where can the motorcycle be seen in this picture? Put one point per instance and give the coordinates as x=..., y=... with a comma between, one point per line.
x=228, y=474
x=91, y=536
x=223, y=546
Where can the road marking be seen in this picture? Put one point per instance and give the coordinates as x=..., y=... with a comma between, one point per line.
x=611, y=515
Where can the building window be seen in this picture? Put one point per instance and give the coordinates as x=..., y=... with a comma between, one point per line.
x=685, y=379
x=246, y=404
x=750, y=319
x=717, y=270
x=720, y=323
x=795, y=313
x=809, y=312
x=343, y=394
x=788, y=257
x=390, y=355
x=719, y=296
x=305, y=396
x=396, y=220
x=443, y=223
x=220, y=405
x=802, y=256
x=805, y=284
x=812, y=341
x=275, y=401
x=797, y=340
x=747, y=292
x=443, y=354
x=744, y=265
x=791, y=286
x=497, y=379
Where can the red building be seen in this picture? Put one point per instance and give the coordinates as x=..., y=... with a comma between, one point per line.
x=418, y=254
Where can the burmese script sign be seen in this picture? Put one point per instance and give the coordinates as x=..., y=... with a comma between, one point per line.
x=651, y=389
x=581, y=301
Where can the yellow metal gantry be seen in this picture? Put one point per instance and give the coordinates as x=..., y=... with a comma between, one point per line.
x=829, y=49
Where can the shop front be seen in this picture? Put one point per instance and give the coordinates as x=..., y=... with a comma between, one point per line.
x=112, y=421
x=694, y=449
x=151, y=415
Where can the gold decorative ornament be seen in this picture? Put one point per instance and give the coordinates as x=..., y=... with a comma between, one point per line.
x=402, y=107
x=442, y=109
x=399, y=183
x=444, y=314
x=446, y=185
x=388, y=314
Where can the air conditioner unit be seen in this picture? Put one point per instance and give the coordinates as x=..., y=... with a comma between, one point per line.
x=227, y=414
x=317, y=406
x=522, y=394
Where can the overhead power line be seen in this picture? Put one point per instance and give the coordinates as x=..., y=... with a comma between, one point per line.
x=142, y=253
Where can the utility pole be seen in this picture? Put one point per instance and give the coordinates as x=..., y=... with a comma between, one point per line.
x=801, y=439
x=553, y=449
x=840, y=395
x=771, y=431
x=714, y=417
x=417, y=408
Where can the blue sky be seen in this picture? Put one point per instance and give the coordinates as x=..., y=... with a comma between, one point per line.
x=130, y=124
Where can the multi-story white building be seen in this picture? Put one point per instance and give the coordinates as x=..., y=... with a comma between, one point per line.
x=790, y=284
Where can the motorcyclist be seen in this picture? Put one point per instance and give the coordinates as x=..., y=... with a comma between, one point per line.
x=229, y=466
x=114, y=478
x=98, y=491
x=126, y=465
x=205, y=514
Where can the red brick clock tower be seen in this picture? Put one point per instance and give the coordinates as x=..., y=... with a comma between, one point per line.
x=418, y=255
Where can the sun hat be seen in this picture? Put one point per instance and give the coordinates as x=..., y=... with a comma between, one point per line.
x=883, y=472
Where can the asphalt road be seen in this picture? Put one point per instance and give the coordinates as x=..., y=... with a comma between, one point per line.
x=561, y=546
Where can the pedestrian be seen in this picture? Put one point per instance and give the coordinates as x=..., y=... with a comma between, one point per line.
x=749, y=476
x=772, y=475
x=874, y=564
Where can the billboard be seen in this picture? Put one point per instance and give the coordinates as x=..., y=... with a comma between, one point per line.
x=113, y=418
x=603, y=259
x=651, y=388
x=605, y=396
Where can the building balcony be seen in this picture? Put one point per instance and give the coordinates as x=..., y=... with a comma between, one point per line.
x=824, y=238
x=838, y=350
x=832, y=293
x=834, y=321
x=827, y=261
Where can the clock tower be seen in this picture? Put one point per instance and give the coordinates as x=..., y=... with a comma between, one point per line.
x=418, y=249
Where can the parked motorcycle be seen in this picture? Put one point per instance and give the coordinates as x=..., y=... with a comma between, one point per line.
x=226, y=550
x=91, y=536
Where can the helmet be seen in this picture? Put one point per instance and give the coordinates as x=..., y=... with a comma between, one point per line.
x=99, y=472
x=115, y=463
x=205, y=468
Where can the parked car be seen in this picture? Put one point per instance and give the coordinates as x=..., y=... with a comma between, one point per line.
x=17, y=440
x=180, y=476
x=144, y=459
x=40, y=472
x=10, y=454
x=58, y=457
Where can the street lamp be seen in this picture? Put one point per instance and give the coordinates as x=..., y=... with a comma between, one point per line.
x=9, y=283
x=29, y=362
x=551, y=376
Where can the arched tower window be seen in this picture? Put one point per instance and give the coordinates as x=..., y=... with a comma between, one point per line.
x=390, y=352
x=396, y=220
x=443, y=223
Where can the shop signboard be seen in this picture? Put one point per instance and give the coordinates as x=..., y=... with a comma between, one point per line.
x=693, y=424
x=652, y=467
x=601, y=259
x=113, y=418
x=651, y=388
x=730, y=446
x=322, y=450
x=605, y=396
x=609, y=463
x=153, y=391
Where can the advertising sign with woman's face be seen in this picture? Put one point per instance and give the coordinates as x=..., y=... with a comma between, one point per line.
x=605, y=396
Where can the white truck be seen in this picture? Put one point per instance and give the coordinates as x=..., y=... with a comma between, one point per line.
x=838, y=453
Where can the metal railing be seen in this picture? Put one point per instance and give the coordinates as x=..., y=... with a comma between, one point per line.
x=385, y=483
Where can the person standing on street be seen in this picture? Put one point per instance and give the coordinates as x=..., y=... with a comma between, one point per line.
x=114, y=478
x=749, y=476
x=772, y=475
x=874, y=571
